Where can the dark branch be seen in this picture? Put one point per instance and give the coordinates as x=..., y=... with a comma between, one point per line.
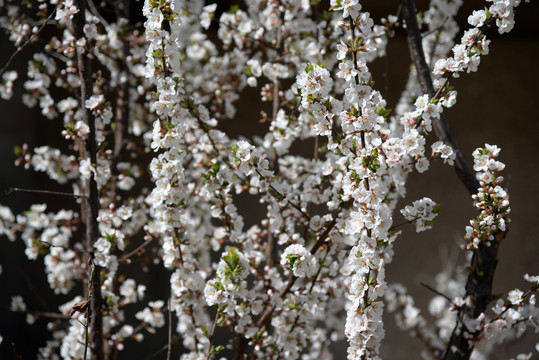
x=436, y=291
x=91, y=205
x=441, y=128
x=484, y=260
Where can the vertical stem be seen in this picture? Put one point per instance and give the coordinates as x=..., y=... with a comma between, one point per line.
x=169, y=346
x=91, y=203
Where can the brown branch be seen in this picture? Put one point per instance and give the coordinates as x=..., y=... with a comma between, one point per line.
x=436, y=292
x=441, y=128
x=14, y=348
x=483, y=264
x=478, y=296
x=135, y=251
x=91, y=205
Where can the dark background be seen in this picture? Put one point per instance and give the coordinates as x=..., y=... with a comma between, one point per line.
x=496, y=105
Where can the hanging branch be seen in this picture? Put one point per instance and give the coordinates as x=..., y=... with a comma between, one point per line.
x=483, y=264
x=91, y=205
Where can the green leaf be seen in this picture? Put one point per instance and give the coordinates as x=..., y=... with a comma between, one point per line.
x=383, y=112
x=217, y=349
x=215, y=167
x=231, y=259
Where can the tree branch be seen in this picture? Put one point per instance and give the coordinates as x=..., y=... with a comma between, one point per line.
x=91, y=204
x=441, y=128
x=478, y=296
x=483, y=264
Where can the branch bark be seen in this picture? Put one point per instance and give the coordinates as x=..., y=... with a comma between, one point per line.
x=478, y=296
x=91, y=203
x=483, y=264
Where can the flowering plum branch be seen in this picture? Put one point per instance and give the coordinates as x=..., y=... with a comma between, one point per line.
x=162, y=184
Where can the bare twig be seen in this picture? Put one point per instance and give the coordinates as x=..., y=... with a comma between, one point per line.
x=436, y=291
x=12, y=190
x=96, y=13
x=135, y=251
x=14, y=348
x=169, y=349
x=164, y=348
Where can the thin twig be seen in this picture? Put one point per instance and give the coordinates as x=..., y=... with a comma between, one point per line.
x=50, y=192
x=169, y=350
x=438, y=28
x=436, y=291
x=135, y=251
x=17, y=356
x=210, y=338
x=86, y=339
x=164, y=348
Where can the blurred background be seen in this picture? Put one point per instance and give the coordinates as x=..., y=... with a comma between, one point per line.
x=497, y=105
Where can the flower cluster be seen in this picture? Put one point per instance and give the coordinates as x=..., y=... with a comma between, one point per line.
x=439, y=149
x=6, y=87
x=491, y=199
x=299, y=260
x=423, y=213
x=466, y=55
